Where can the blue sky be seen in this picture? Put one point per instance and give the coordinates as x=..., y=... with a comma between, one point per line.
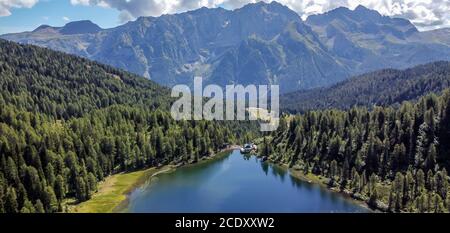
x=25, y=15
x=54, y=13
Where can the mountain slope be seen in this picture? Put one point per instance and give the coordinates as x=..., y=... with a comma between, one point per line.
x=366, y=41
x=384, y=87
x=42, y=80
x=66, y=123
x=440, y=36
x=259, y=43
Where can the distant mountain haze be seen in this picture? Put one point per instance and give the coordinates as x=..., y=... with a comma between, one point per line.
x=260, y=43
x=365, y=40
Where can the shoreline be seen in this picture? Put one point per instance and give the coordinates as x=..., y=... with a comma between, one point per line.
x=121, y=207
x=114, y=190
x=318, y=180
x=113, y=193
x=313, y=179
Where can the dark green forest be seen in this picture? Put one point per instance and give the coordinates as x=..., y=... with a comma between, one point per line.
x=395, y=159
x=387, y=87
x=66, y=123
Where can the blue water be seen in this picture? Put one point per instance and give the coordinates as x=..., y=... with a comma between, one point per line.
x=235, y=184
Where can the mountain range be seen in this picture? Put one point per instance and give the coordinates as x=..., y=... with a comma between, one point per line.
x=260, y=43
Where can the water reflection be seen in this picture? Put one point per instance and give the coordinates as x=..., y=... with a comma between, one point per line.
x=265, y=167
x=235, y=183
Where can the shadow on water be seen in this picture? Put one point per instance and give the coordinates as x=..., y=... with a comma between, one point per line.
x=265, y=167
x=278, y=172
x=296, y=182
x=281, y=172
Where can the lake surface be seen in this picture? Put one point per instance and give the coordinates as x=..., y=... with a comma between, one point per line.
x=235, y=183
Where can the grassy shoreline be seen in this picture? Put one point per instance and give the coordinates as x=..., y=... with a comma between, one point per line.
x=113, y=192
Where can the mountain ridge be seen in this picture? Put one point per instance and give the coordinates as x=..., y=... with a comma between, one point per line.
x=74, y=27
x=255, y=44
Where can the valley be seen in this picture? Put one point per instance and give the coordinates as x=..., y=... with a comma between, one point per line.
x=86, y=123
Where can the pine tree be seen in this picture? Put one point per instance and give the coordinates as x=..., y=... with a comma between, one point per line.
x=398, y=188
x=447, y=202
x=438, y=205
x=39, y=207
x=420, y=182
x=28, y=207
x=81, y=192
x=60, y=188
x=49, y=200
x=11, y=205
x=355, y=183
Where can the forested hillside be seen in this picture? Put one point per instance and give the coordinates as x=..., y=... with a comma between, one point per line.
x=66, y=123
x=380, y=88
x=394, y=158
x=63, y=86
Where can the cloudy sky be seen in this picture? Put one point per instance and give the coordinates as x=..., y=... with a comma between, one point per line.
x=21, y=15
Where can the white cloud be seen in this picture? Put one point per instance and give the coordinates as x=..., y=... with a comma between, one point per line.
x=65, y=18
x=7, y=5
x=425, y=14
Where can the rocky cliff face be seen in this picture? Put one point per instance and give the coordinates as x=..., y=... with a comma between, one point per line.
x=257, y=44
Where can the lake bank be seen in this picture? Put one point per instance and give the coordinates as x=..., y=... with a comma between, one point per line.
x=323, y=183
x=114, y=190
x=112, y=194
